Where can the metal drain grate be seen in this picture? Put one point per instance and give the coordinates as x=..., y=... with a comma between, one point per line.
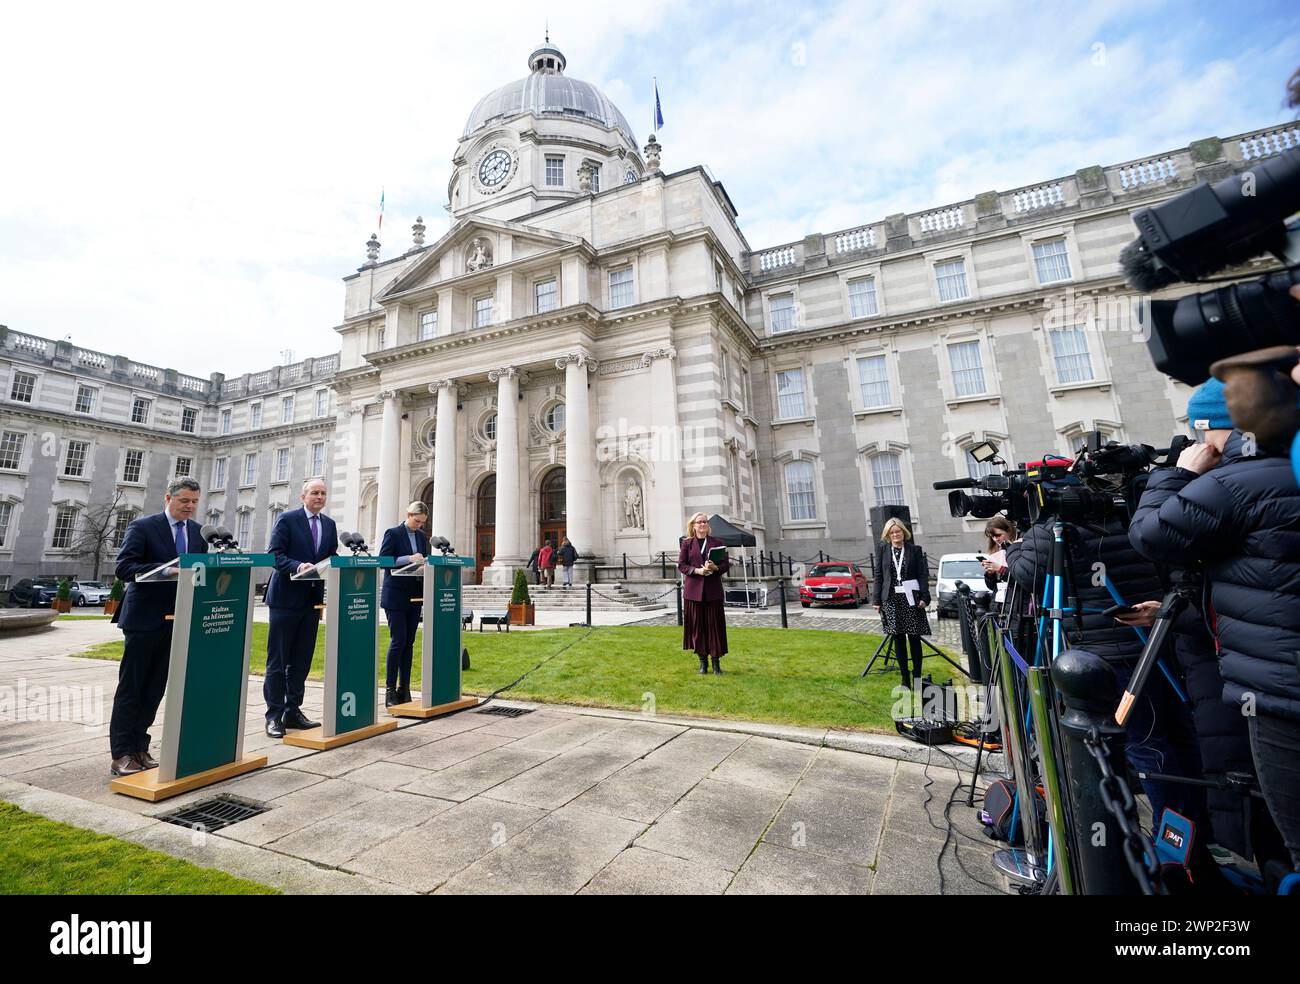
x=506, y=712
x=214, y=814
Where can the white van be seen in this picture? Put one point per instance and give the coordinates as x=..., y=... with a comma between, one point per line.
x=956, y=567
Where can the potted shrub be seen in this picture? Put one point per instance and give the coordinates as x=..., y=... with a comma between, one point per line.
x=521, y=605
x=63, y=599
x=115, y=595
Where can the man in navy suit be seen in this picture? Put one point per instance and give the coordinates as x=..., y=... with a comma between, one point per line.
x=142, y=675
x=300, y=540
x=408, y=543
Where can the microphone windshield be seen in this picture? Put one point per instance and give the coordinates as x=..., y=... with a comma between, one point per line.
x=208, y=532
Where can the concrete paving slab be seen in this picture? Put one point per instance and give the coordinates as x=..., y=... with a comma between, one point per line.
x=300, y=809
x=357, y=829
x=773, y=870
x=640, y=872
x=473, y=776
x=765, y=763
x=842, y=824
x=448, y=751
x=716, y=823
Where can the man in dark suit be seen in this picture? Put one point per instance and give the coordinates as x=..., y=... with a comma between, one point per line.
x=142, y=676
x=300, y=540
x=407, y=542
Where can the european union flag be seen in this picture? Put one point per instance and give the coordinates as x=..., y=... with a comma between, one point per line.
x=659, y=113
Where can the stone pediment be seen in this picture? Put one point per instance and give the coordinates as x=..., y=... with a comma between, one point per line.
x=474, y=245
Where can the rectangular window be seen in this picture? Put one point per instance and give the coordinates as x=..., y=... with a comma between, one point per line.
x=189, y=420
x=380, y=338
x=554, y=172
x=887, y=479
x=951, y=278
x=254, y=416
x=862, y=298
x=1051, y=261
x=11, y=449
x=244, y=531
x=275, y=516
x=140, y=410
x=6, y=514
x=317, y=460
x=745, y=393
x=781, y=307
x=620, y=287
x=1070, y=350
x=873, y=381
x=219, y=473
x=799, y=489
x=132, y=465
x=789, y=394
x=482, y=311
x=184, y=467
x=74, y=462
x=250, y=468
x=23, y=386
x=967, y=369
x=595, y=179
x=85, y=399
x=121, y=521
x=286, y=410
x=65, y=524
x=428, y=325
x=282, y=464
x=546, y=296
x=322, y=402
x=225, y=421
x=717, y=277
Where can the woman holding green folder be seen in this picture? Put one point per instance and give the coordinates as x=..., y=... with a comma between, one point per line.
x=703, y=560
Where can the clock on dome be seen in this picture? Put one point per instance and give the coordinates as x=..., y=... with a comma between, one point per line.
x=495, y=169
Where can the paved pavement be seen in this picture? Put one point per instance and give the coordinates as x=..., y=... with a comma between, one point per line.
x=560, y=800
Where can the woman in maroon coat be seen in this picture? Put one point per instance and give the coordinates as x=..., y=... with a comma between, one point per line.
x=704, y=619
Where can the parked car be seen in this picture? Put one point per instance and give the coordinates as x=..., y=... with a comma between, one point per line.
x=834, y=582
x=34, y=592
x=89, y=593
x=964, y=567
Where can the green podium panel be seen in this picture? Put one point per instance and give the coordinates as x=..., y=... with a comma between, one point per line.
x=207, y=683
x=440, y=680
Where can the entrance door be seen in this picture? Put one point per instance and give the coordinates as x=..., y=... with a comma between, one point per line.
x=553, y=518
x=485, y=529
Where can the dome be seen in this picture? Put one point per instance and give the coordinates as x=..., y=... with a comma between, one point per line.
x=547, y=91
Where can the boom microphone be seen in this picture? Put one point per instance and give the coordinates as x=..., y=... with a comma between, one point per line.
x=957, y=483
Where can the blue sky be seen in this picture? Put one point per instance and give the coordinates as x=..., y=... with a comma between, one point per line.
x=188, y=187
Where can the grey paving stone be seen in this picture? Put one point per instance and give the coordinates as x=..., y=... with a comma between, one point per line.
x=698, y=749
x=909, y=865
x=765, y=764
x=300, y=809
x=522, y=726
x=471, y=777
x=357, y=829
x=642, y=791
x=773, y=870
x=552, y=784
x=426, y=856
x=556, y=855
x=717, y=823
x=387, y=775
x=448, y=751
x=842, y=824
x=640, y=872
x=837, y=769
x=568, y=734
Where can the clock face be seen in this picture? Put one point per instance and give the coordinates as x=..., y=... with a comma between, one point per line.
x=494, y=168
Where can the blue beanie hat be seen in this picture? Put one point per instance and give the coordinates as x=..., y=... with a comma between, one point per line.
x=1208, y=405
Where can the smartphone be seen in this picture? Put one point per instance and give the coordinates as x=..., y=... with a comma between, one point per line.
x=980, y=557
x=1115, y=610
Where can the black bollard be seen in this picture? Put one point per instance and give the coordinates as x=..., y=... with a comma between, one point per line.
x=625, y=567
x=588, y=604
x=679, y=601
x=663, y=564
x=785, y=621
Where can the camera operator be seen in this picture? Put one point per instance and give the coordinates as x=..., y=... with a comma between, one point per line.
x=1160, y=737
x=1241, y=521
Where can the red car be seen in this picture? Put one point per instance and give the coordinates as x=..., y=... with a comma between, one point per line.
x=834, y=582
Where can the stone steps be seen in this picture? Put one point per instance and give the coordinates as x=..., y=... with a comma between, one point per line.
x=483, y=597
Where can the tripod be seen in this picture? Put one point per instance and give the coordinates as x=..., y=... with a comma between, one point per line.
x=886, y=651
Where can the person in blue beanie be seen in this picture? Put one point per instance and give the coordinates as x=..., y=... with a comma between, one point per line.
x=1236, y=512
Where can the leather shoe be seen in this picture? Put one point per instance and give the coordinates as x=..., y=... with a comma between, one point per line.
x=274, y=728
x=146, y=760
x=127, y=765
x=390, y=696
x=298, y=721
x=404, y=695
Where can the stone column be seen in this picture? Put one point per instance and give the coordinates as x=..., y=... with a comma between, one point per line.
x=388, y=502
x=356, y=417
x=579, y=454
x=509, y=501
x=443, y=520
x=664, y=510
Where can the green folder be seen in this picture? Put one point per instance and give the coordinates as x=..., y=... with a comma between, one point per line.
x=718, y=555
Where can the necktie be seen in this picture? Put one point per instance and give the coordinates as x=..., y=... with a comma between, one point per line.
x=315, y=532
x=180, y=537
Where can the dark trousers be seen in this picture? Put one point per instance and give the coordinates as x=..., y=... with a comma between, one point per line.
x=141, y=680
x=1275, y=743
x=901, y=645
x=290, y=645
x=402, y=623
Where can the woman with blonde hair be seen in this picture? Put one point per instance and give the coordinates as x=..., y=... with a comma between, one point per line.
x=704, y=617
x=901, y=592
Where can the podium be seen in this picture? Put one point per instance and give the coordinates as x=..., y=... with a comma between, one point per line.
x=441, y=644
x=351, y=710
x=207, y=682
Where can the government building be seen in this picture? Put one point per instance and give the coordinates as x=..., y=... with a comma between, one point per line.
x=594, y=349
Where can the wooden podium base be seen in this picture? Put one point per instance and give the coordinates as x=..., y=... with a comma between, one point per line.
x=145, y=785
x=413, y=709
x=313, y=739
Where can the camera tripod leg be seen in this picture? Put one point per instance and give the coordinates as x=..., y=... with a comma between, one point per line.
x=887, y=647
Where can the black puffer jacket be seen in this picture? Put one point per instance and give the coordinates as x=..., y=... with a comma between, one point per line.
x=1242, y=521
x=1134, y=577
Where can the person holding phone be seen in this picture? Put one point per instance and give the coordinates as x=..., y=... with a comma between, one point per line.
x=998, y=532
x=702, y=561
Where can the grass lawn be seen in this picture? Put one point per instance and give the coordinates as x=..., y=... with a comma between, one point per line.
x=784, y=676
x=82, y=618
x=43, y=857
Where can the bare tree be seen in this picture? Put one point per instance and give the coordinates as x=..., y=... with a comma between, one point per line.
x=97, y=532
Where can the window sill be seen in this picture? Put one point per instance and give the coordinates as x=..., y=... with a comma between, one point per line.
x=19, y=472
x=248, y=488
x=963, y=400
x=75, y=478
x=804, y=524
x=278, y=481
x=1103, y=385
x=130, y=485
x=896, y=410
x=793, y=420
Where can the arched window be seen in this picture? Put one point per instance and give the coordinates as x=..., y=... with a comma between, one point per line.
x=487, y=502
x=555, y=418
x=800, y=490
x=553, y=497
x=490, y=428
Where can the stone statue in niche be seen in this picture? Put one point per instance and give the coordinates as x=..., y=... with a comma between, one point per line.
x=633, y=512
x=479, y=256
